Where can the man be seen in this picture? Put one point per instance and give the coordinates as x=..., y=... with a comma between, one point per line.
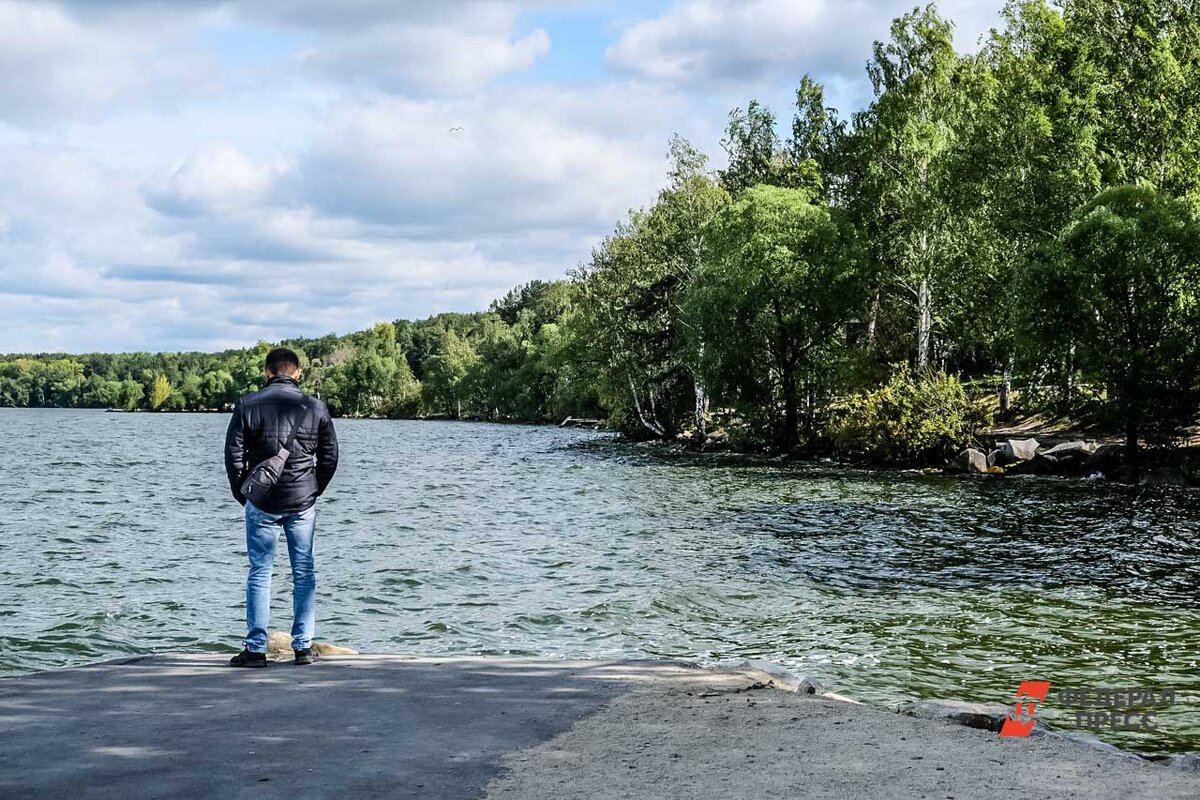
x=262, y=423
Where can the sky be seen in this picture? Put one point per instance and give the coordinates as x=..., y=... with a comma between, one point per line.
x=207, y=174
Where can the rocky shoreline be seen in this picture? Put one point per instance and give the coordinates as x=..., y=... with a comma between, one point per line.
x=1078, y=458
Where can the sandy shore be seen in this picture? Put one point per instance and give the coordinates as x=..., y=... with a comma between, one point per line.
x=388, y=726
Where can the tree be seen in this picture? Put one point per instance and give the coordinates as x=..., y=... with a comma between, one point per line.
x=1119, y=287
x=780, y=279
x=160, y=392
x=629, y=332
x=817, y=145
x=903, y=138
x=1024, y=160
x=1144, y=56
x=444, y=387
x=132, y=394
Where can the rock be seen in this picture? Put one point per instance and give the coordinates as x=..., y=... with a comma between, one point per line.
x=984, y=716
x=1184, y=761
x=1040, y=464
x=1072, y=457
x=841, y=698
x=1084, y=449
x=279, y=647
x=1018, y=450
x=783, y=678
x=1106, y=459
x=969, y=460
x=1001, y=458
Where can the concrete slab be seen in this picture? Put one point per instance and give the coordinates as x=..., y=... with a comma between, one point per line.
x=378, y=726
x=367, y=726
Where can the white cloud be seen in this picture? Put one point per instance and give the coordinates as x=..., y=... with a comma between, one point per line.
x=53, y=67
x=450, y=53
x=746, y=41
x=534, y=157
x=384, y=213
x=218, y=178
x=425, y=47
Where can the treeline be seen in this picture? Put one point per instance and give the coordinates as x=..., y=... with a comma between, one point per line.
x=509, y=363
x=1021, y=219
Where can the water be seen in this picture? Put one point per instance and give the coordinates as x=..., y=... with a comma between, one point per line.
x=118, y=536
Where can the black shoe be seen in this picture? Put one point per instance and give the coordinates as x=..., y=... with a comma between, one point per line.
x=305, y=656
x=248, y=659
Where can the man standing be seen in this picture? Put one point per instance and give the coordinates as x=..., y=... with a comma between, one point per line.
x=280, y=415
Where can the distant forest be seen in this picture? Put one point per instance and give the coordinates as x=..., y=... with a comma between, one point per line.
x=1010, y=230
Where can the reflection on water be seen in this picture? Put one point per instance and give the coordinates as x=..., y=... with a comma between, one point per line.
x=118, y=537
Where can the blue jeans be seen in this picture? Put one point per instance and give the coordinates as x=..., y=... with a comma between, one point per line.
x=262, y=535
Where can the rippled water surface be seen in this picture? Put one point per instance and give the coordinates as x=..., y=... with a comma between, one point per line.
x=118, y=536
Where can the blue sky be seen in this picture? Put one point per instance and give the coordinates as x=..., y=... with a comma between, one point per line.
x=203, y=174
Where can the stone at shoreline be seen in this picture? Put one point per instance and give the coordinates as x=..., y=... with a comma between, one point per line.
x=1107, y=459
x=1085, y=449
x=1184, y=761
x=1040, y=464
x=784, y=678
x=970, y=461
x=984, y=716
x=1072, y=457
x=1015, y=450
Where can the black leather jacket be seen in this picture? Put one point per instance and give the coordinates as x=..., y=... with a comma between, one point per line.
x=260, y=426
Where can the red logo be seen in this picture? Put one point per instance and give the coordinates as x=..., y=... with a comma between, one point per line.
x=1020, y=720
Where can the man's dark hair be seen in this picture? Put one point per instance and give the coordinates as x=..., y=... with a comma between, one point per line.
x=282, y=361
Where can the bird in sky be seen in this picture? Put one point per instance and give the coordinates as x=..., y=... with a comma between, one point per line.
x=457, y=129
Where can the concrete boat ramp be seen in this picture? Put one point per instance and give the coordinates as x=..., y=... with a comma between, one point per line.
x=187, y=726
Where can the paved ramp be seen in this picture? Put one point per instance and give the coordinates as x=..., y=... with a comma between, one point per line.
x=377, y=726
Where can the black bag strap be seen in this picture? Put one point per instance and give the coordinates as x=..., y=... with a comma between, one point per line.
x=295, y=427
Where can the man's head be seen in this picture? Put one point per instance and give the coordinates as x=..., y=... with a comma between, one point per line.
x=282, y=363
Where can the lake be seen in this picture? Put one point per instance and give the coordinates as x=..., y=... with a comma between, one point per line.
x=118, y=536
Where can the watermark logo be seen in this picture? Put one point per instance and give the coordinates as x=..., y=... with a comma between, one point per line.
x=1096, y=709
x=1117, y=709
x=1030, y=694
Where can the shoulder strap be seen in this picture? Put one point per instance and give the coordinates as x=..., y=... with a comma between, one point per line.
x=296, y=426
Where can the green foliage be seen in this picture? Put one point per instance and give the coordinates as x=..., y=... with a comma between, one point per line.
x=917, y=417
x=628, y=334
x=780, y=279
x=1113, y=299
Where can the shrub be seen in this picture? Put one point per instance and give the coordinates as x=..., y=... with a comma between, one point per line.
x=915, y=418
